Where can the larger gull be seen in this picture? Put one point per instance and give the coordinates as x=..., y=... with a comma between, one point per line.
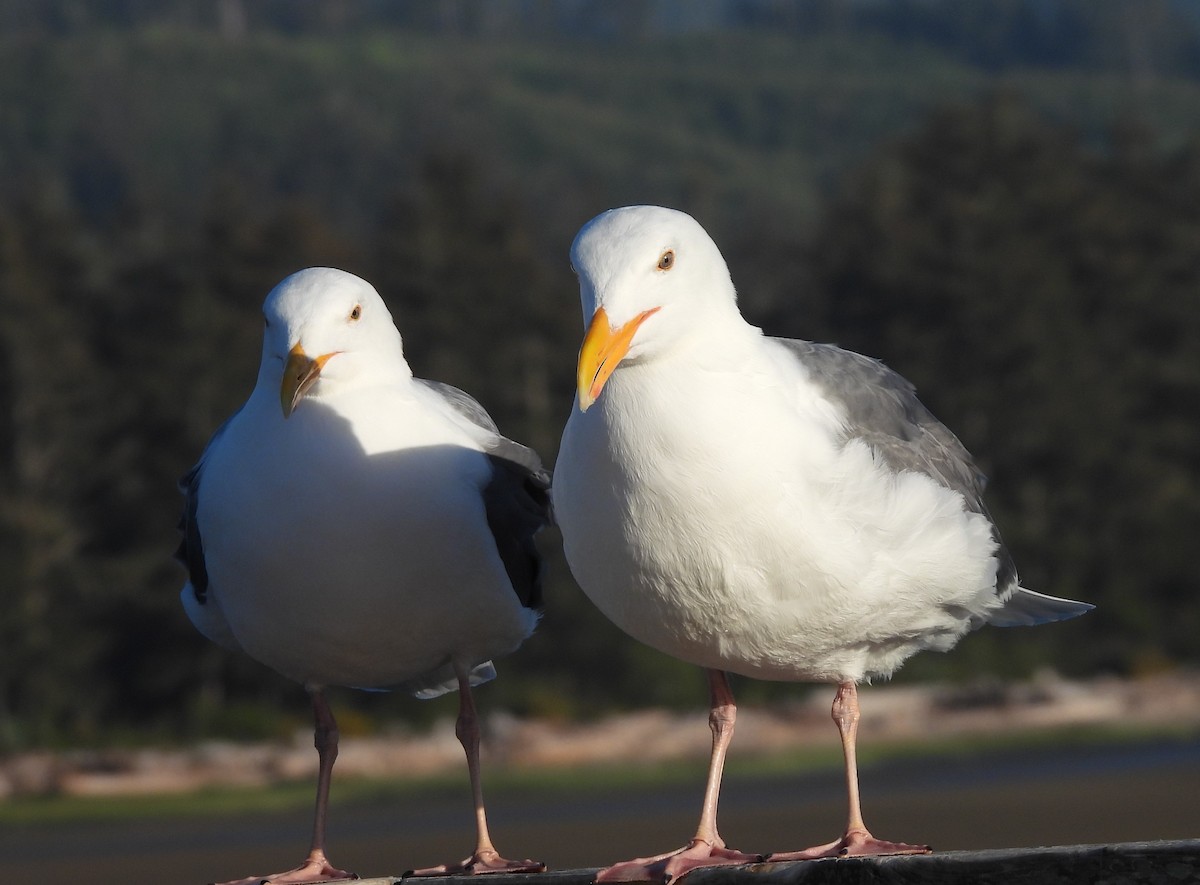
x=353, y=525
x=779, y=509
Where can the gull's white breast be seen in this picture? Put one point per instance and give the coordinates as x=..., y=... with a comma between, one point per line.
x=715, y=511
x=349, y=545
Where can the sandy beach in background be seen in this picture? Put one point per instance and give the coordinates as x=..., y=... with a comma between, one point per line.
x=1062, y=795
x=890, y=714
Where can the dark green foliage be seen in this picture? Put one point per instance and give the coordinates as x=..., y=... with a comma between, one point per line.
x=163, y=165
x=1057, y=290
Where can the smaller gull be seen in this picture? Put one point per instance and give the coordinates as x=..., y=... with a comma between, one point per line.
x=353, y=525
x=778, y=509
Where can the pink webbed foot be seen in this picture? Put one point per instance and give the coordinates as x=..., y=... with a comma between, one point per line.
x=856, y=843
x=673, y=865
x=479, y=864
x=315, y=869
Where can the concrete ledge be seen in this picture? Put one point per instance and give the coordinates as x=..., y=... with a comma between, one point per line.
x=1158, y=863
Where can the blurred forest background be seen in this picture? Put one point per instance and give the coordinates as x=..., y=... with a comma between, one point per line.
x=999, y=199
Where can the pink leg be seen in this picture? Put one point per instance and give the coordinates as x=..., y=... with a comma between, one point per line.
x=316, y=867
x=485, y=859
x=707, y=848
x=857, y=839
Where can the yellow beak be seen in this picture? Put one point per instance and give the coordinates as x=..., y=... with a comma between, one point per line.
x=603, y=348
x=300, y=372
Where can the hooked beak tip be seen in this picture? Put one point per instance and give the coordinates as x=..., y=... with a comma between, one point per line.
x=300, y=373
x=603, y=349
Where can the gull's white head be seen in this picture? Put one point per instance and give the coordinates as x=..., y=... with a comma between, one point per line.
x=323, y=328
x=648, y=278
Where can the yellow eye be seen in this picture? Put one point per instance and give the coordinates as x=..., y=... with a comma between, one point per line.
x=356, y=313
x=667, y=260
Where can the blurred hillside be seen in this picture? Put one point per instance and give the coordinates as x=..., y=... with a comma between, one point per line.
x=1001, y=200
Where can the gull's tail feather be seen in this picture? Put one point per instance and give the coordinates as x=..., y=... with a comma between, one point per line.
x=1028, y=607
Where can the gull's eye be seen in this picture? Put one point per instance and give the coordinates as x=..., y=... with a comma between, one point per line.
x=356, y=313
x=666, y=261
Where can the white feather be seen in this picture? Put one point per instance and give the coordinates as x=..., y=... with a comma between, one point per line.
x=714, y=505
x=348, y=543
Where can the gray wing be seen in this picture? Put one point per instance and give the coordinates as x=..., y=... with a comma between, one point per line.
x=516, y=500
x=464, y=404
x=190, y=552
x=882, y=409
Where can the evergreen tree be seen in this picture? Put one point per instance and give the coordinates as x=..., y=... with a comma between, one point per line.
x=1043, y=297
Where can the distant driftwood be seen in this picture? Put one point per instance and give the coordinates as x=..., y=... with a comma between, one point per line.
x=1158, y=863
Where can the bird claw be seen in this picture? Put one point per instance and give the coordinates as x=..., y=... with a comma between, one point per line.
x=313, y=870
x=479, y=864
x=674, y=865
x=856, y=843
